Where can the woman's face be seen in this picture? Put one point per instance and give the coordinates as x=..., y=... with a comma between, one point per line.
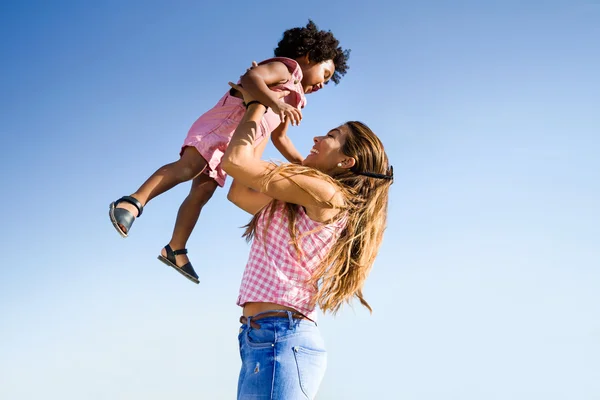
x=327, y=150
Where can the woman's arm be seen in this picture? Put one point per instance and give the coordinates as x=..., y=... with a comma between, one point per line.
x=245, y=198
x=239, y=161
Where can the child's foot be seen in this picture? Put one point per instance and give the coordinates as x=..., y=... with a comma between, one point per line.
x=123, y=212
x=178, y=260
x=127, y=206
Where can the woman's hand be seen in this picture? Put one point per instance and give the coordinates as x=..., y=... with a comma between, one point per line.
x=282, y=109
x=245, y=94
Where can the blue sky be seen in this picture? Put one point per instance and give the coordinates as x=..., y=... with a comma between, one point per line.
x=486, y=286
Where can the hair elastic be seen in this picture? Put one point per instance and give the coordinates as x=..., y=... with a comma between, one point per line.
x=389, y=175
x=255, y=102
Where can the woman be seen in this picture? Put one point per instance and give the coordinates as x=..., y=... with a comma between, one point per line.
x=316, y=231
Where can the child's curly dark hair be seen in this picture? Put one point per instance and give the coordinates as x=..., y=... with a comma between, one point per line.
x=320, y=46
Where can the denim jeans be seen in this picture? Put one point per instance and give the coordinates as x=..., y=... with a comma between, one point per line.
x=283, y=360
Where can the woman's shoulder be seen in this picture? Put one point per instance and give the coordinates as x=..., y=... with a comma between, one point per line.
x=333, y=219
x=330, y=204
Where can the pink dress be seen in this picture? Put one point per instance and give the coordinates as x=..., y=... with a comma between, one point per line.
x=212, y=132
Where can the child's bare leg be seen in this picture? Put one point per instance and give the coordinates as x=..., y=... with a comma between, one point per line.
x=190, y=165
x=202, y=190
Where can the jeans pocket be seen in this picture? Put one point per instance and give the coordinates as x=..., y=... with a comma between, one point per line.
x=311, y=369
x=259, y=338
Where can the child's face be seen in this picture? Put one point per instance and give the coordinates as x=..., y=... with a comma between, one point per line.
x=315, y=75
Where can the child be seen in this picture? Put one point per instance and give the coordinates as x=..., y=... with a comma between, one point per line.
x=306, y=58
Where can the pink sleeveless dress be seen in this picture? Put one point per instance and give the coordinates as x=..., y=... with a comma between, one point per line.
x=212, y=132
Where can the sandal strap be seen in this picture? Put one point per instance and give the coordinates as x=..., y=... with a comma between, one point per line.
x=133, y=201
x=179, y=252
x=172, y=253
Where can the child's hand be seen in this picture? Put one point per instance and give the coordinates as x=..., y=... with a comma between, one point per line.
x=284, y=110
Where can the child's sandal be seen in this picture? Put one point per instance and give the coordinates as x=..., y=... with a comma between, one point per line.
x=121, y=218
x=186, y=270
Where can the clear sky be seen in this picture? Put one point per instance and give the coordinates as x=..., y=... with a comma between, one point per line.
x=486, y=285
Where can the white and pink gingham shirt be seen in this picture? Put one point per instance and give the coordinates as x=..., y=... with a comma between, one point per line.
x=275, y=272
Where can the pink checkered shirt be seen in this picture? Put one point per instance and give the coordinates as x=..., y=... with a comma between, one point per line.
x=275, y=272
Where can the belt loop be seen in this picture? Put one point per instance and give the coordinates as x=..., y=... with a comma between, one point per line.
x=289, y=313
x=249, y=323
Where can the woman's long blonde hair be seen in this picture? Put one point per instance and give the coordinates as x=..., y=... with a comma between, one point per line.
x=342, y=273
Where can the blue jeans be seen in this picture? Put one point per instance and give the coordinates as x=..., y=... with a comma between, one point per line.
x=283, y=360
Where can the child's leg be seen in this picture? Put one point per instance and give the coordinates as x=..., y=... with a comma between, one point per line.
x=202, y=190
x=189, y=166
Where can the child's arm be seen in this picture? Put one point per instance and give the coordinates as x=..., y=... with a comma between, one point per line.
x=284, y=144
x=257, y=80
